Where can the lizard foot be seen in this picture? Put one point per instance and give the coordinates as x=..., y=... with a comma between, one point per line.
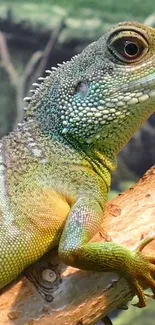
x=143, y=267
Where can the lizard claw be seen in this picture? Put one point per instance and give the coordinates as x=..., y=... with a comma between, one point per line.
x=107, y=320
x=143, y=268
x=149, y=295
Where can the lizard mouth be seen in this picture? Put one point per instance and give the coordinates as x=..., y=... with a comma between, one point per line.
x=146, y=85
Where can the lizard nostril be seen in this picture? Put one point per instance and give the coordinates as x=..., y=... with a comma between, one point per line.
x=81, y=88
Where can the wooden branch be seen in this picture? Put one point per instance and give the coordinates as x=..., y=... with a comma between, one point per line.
x=75, y=297
x=49, y=48
x=6, y=60
x=33, y=69
x=15, y=79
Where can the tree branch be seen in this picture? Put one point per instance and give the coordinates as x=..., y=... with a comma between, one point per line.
x=35, y=74
x=6, y=60
x=75, y=297
x=33, y=69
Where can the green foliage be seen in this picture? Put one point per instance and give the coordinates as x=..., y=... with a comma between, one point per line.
x=84, y=19
x=138, y=8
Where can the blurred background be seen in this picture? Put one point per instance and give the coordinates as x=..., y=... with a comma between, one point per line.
x=35, y=35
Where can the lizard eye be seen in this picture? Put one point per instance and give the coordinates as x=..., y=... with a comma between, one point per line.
x=128, y=48
x=131, y=49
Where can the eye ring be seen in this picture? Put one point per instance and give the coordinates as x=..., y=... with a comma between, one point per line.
x=131, y=49
x=127, y=46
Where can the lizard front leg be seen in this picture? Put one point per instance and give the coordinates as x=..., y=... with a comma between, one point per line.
x=75, y=249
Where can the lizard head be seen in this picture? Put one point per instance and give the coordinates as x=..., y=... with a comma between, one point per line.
x=104, y=94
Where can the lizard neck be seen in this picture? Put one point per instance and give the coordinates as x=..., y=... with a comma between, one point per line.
x=102, y=161
x=46, y=147
x=103, y=164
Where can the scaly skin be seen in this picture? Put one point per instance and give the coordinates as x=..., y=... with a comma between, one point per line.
x=56, y=168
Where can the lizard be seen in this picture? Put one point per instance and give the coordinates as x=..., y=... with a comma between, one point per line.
x=56, y=167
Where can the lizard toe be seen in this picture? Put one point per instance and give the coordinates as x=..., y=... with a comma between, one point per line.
x=142, y=267
x=144, y=273
x=144, y=242
x=140, y=294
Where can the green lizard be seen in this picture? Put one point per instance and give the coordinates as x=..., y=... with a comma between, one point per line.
x=55, y=169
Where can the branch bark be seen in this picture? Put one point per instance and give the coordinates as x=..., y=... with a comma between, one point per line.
x=73, y=297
